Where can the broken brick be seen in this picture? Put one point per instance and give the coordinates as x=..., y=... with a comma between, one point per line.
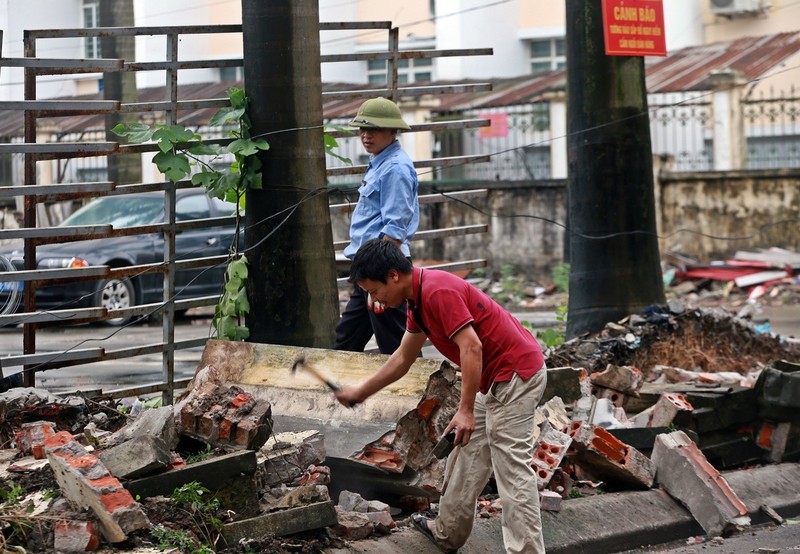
x=609, y=458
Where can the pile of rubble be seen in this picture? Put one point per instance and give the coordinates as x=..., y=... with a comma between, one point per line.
x=663, y=398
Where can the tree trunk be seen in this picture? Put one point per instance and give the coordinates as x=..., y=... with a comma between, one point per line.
x=292, y=278
x=614, y=259
x=122, y=168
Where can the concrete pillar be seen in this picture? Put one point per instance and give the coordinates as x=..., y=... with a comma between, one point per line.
x=729, y=140
x=558, y=133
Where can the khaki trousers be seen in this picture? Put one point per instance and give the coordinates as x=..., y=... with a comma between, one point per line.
x=503, y=442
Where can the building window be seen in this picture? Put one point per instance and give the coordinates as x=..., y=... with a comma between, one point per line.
x=91, y=18
x=408, y=71
x=547, y=55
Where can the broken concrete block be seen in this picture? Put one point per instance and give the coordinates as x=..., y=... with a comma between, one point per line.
x=31, y=437
x=303, y=496
x=625, y=379
x=94, y=435
x=564, y=382
x=730, y=448
x=608, y=416
x=350, y=502
x=550, y=501
x=283, y=457
x=608, y=458
x=314, y=475
x=548, y=451
x=227, y=417
x=353, y=526
x=686, y=475
x=730, y=407
x=142, y=455
x=778, y=392
x=155, y=422
x=583, y=406
x=85, y=482
x=780, y=440
x=671, y=407
x=230, y=476
x=283, y=522
x=75, y=536
x=615, y=397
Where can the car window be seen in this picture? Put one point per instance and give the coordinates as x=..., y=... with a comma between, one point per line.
x=119, y=211
x=222, y=207
x=192, y=207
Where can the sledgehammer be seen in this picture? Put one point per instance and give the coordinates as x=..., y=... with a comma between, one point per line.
x=300, y=361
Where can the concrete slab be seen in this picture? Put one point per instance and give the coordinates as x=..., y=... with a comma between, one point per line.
x=612, y=522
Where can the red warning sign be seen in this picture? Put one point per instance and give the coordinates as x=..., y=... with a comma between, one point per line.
x=634, y=28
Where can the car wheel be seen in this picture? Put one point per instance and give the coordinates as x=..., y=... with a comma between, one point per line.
x=115, y=294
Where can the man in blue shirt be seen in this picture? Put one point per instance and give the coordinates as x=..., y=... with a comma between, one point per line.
x=388, y=208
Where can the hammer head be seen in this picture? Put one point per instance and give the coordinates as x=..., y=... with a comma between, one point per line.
x=299, y=360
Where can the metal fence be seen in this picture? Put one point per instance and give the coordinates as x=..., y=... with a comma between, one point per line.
x=78, y=161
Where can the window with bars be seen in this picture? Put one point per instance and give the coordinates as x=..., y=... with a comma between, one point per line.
x=408, y=71
x=91, y=18
x=547, y=54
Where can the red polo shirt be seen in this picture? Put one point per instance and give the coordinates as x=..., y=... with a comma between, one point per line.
x=446, y=303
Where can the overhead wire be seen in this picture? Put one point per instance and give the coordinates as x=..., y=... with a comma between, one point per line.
x=325, y=189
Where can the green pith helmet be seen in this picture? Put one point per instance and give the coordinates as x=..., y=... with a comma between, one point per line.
x=379, y=113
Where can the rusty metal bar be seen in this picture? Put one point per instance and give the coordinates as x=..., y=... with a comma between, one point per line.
x=434, y=126
x=355, y=25
x=29, y=212
x=58, y=66
x=407, y=91
x=406, y=55
x=55, y=274
x=82, y=355
x=132, y=31
x=175, y=65
x=62, y=107
x=43, y=149
x=168, y=319
x=181, y=105
x=71, y=233
x=29, y=318
x=435, y=162
x=434, y=234
x=423, y=199
x=392, y=64
x=148, y=389
x=56, y=190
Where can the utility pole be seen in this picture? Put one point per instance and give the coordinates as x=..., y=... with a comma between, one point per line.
x=122, y=168
x=289, y=244
x=614, y=258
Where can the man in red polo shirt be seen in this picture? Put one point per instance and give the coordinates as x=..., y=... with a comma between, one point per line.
x=502, y=381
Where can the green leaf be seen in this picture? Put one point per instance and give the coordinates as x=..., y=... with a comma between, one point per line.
x=237, y=97
x=205, y=178
x=174, y=166
x=238, y=268
x=225, y=116
x=241, y=333
x=242, y=303
x=201, y=149
x=137, y=133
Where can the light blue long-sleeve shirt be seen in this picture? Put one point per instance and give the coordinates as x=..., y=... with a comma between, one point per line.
x=388, y=202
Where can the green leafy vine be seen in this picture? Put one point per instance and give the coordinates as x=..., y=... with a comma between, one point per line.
x=181, y=149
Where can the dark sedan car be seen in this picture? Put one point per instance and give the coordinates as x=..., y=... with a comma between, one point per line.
x=127, y=211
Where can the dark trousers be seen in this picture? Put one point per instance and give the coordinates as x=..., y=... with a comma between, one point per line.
x=358, y=323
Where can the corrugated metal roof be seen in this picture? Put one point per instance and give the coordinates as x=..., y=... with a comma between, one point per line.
x=684, y=70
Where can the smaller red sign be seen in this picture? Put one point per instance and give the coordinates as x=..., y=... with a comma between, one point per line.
x=498, y=126
x=634, y=28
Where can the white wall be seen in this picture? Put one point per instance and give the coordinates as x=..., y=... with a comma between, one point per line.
x=474, y=24
x=683, y=22
x=17, y=16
